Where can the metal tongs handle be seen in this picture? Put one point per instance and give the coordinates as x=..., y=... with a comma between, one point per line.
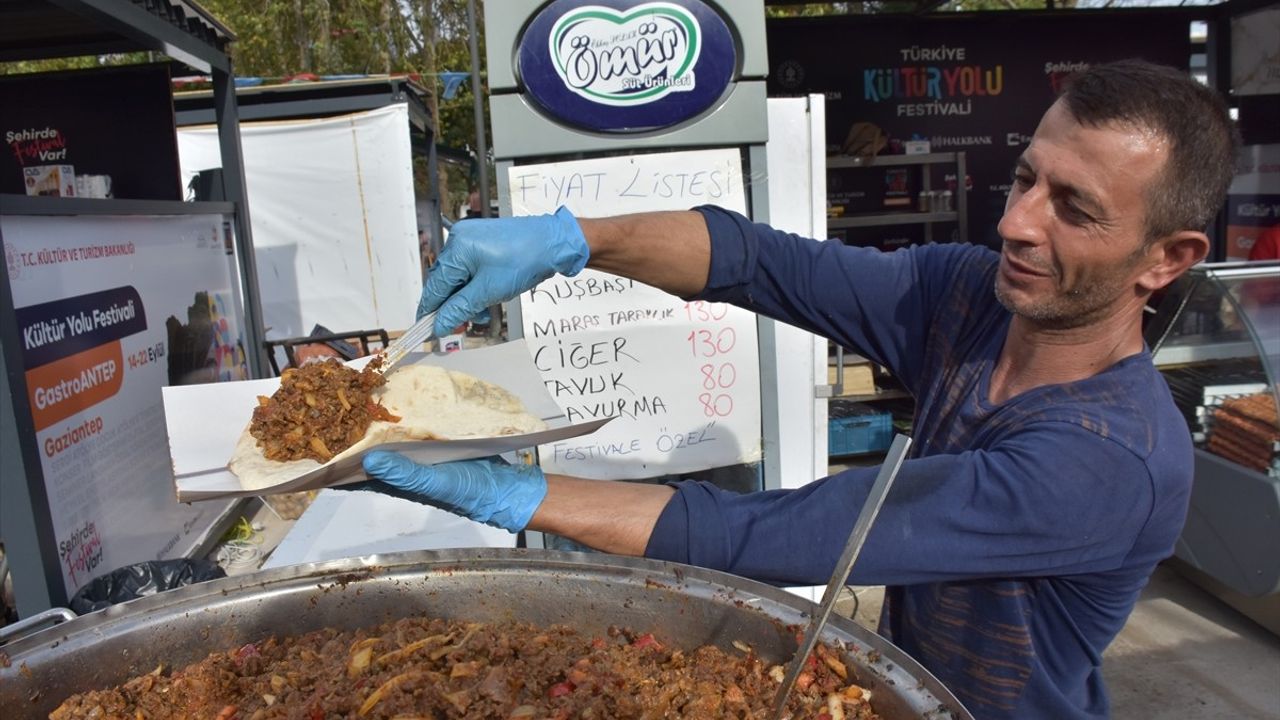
x=884, y=480
x=411, y=340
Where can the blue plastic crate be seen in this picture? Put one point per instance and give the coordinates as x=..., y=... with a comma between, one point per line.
x=855, y=428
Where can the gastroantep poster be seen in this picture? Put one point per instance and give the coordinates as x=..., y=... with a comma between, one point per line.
x=976, y=84
x=109, y=310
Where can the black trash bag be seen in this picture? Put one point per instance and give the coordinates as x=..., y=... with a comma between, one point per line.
x=140, y=580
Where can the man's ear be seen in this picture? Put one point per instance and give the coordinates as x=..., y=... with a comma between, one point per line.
x=1171, y=256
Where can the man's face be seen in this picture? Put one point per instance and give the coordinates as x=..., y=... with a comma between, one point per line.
x=1075, y=220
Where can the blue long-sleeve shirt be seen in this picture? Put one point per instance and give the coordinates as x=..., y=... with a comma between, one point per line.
x=1017, y=537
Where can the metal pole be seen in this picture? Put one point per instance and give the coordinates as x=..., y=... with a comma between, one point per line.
x=477, y=99
x=234, y=188
x=433, y=172
x=482, y=148
x=1218, y=67
x=31, y=546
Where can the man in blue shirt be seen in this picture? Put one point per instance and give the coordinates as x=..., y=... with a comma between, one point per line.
x=1050, y=470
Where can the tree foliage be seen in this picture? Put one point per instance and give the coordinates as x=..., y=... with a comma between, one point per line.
x=22, y=67
x=425, y=38
x=280, y=39
x=864, y=7
x=283, y=38
x=874, y=7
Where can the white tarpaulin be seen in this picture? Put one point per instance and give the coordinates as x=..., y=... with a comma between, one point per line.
x=334, y=223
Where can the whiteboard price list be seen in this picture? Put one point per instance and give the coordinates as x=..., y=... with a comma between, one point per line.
x=711, y=341
x=680, y=379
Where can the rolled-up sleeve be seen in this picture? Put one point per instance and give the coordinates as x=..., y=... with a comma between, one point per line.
x=734, y=252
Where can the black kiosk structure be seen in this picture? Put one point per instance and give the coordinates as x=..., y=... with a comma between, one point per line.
x=98, y=495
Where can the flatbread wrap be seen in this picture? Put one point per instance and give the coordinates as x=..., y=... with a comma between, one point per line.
x=417, y=402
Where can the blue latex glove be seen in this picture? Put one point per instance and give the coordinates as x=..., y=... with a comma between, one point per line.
x=487, y=261
x=491, y=491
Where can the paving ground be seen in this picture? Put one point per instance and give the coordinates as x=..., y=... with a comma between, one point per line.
x=1183, y=655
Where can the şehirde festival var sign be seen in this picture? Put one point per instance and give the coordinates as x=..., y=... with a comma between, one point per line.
x=617, y=67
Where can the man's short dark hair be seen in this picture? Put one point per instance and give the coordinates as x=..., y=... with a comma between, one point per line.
x=1203, y=141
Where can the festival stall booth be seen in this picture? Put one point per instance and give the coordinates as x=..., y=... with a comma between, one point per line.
x=114, y=288
x=951, y=88
x=330, y=171
x=695, y=389
x=1216, y=339
x=689, y=388
x=951, y=100
x=1250, y=66
x=926, y=115
x=330, y=167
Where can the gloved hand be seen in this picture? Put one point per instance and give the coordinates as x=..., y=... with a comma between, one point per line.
x=487, y=261
x=491, y=491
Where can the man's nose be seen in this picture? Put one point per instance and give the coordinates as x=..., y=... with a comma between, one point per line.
x=1024, y=216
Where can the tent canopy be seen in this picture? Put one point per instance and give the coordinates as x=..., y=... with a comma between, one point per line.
x=42, y=29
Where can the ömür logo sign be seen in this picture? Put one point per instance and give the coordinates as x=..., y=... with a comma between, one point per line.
x=626, y=67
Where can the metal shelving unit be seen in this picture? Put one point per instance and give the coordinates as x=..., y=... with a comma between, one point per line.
x=892, y=218
x=880, y=219
x=26, y=205
x=960, y=215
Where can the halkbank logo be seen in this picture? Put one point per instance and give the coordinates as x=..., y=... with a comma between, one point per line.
x=626, y=58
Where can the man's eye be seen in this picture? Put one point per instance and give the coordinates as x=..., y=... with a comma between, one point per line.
x=1022, y=180
x=1075, y=215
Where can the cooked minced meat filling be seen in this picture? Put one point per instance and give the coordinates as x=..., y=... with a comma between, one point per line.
x=420, y=668
x=320, y=410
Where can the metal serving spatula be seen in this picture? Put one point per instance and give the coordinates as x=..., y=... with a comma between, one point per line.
x=870, y=509
x=411, y=340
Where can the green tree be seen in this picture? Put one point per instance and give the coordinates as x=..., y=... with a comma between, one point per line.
x=22, y=67
x=872, y=7
x=277, y=39
x=869, y=7
x=423, y=38
x=986, y=5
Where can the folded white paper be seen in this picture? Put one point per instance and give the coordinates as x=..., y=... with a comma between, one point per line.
x=205, y=421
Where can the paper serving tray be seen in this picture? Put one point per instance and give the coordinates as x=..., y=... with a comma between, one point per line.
x=205, y=421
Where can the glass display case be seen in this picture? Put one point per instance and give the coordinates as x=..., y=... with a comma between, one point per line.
x=1216, y=339
x=1215, y=336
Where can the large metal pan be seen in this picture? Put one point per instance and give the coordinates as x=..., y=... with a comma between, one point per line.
x=682, y=605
